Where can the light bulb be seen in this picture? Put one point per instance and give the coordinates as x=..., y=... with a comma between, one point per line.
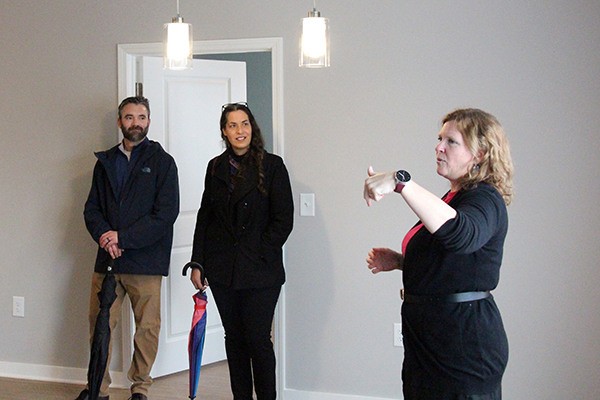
x=178, y=44
x=314, y=38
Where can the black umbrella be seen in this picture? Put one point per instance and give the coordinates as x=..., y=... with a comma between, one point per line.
x=101, y=339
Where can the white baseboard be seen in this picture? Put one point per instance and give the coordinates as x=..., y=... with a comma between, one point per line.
x=56, y=374
x=289, y=394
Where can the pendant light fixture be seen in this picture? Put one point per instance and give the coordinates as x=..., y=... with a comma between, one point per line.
x=314, y=44
x=179, y=44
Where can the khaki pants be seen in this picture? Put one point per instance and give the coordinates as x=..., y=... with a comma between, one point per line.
x=144, y=294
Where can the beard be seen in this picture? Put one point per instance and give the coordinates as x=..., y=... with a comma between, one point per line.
x=135, y=133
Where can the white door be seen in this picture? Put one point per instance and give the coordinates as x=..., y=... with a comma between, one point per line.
x=185, y=108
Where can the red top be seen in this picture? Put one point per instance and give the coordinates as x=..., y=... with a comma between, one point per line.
x=414, y=230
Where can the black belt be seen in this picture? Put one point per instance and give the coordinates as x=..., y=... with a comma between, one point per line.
x=446, y=298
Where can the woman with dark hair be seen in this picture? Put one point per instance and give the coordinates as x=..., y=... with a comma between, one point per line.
x=455, y=346
x=245, y=217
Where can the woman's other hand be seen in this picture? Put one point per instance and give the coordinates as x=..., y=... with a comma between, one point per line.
x=384, y=259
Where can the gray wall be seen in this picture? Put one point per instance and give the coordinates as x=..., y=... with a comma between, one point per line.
x=397, y=68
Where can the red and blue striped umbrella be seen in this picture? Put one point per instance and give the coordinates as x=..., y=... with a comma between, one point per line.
x=197, y=333
x=196, y=344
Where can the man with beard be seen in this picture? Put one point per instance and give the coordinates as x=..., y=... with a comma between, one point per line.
x=130, y=212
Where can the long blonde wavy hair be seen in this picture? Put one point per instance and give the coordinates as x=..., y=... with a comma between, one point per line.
x=484, y=135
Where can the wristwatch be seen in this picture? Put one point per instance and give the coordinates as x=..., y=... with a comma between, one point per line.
x=402, y=177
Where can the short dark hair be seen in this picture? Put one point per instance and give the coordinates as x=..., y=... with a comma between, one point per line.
x=135, y=100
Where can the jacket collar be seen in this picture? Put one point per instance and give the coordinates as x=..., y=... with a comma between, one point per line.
x=243, y=186
x=150, y=147
x=107, y=159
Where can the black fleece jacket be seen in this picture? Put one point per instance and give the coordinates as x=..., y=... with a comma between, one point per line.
x=143, y=214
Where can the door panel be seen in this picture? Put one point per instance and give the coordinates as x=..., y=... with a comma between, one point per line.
x=185, y=111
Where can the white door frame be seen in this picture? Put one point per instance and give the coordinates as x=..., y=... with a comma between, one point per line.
x=128, y=69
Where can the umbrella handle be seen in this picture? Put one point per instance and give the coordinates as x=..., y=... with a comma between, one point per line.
x=194, y=265
x=111, y=265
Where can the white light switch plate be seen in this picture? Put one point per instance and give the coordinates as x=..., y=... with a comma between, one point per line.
x=307, y=204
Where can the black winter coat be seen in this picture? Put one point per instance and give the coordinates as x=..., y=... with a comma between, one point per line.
x=239, y=240
x=144, y=214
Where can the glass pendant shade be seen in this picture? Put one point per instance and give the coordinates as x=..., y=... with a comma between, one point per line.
x=179, y=45
x=314, y=44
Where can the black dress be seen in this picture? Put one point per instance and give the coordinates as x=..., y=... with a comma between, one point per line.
x=456, y=348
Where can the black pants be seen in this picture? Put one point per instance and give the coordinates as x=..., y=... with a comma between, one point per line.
x=415, y=393
x=247, y=317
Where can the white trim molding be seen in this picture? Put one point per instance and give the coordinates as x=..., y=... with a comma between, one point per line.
x=48, y=373
x=289, y=394
x=127, y=55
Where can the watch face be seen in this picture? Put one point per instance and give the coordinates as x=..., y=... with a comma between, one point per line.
x=402, y=176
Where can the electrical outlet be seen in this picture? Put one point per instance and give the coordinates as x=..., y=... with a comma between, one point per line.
x=398, y=334
x=18, y=306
